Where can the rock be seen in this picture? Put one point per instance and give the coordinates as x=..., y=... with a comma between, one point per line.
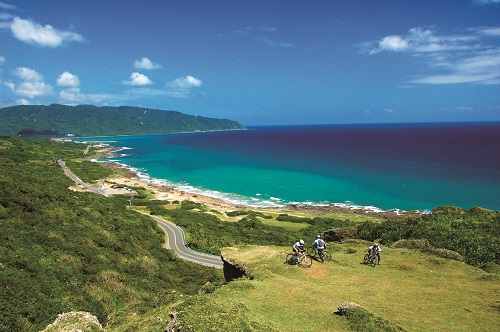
x=75, y=321
x=339, y=234
x=344, y=307
x=233, y=270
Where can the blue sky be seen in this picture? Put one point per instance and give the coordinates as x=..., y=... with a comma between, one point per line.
x=258, y=62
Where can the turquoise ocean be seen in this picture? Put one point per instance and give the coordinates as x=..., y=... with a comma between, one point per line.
x=377, y=167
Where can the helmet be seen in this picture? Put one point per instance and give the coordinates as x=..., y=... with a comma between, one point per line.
x=318, y=236
x=301, y=241
x=375, y=245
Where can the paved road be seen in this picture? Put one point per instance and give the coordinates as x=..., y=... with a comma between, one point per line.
x=175, y=236
x=177, y=242
x=78, y=180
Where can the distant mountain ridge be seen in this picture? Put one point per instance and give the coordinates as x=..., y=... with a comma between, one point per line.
x=90, y=120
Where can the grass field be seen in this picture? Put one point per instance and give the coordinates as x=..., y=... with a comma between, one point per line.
x=415, y=291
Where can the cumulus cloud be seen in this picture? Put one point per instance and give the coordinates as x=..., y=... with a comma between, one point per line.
x=393, y=43
x=138, y=79
x=145, y=63
x=44, y=36
x=28, y=74
x=68, y=80
x=72, y=96
x=454, y=58
x=181, y=87
x=185, y=82
x=31, y=84
x=71, y=93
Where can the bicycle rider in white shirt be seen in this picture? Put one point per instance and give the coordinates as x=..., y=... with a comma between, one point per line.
x=298, y=247
x=319, y=244
x=376, y=250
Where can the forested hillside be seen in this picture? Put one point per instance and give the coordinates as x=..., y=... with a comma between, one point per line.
x=88, y=120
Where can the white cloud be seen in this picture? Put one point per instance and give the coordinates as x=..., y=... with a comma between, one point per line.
x=147, y=64
x=33, y=90
x=483, y=68
x=4, y=5
x=455, y=58
x=185, y=82
x=28, y=74
x=181, y=87
x=23, y=102
x=71, y=93
x=31, y=84
x=72, y=96
x=138, y=79
x=45, y=36
x=393, y=43
x=487, y=2
x=419, y=40
x=273, y=43
x=492, y=31
x=68, y=80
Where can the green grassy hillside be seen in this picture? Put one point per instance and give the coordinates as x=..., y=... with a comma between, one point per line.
x=62, y=250
x=410, y=291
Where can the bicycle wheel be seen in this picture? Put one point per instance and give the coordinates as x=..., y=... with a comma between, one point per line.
x=373, y=261
x=327, y=256
x=290, y=259
x=366, y=259
x=311, y=251
x=305, y=261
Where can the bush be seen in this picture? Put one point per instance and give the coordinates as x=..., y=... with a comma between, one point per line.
x=474, y=234
x=362, y=320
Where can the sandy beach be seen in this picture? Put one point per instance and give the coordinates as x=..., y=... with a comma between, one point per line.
x=162, y=191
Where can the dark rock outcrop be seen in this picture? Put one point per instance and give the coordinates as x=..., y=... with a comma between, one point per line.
x=234, y=270
x=340, y=234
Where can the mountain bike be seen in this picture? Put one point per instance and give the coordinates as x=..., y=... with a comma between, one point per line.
x=370, y=259
x=312, y=252
x=302, y=259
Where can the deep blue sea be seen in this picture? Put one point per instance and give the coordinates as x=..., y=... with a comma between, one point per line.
x=382, y=166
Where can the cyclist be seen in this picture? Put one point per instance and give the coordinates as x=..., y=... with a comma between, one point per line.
x=376, y=251
x=298, y=247
x=320, y=245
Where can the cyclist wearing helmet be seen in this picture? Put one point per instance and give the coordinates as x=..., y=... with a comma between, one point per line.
x=320, y=245
x=298, y=247
x=376, y=250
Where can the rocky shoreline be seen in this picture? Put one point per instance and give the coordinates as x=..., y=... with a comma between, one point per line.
x=170, y=193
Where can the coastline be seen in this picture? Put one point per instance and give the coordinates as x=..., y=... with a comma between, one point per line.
x=163, y=191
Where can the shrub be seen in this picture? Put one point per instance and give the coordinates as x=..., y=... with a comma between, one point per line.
x=362, y=320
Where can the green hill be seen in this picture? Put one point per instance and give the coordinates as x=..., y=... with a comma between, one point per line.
x=88, y=120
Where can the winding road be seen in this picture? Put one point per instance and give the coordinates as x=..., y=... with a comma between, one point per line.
x=176, y=241
x=175, y=236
